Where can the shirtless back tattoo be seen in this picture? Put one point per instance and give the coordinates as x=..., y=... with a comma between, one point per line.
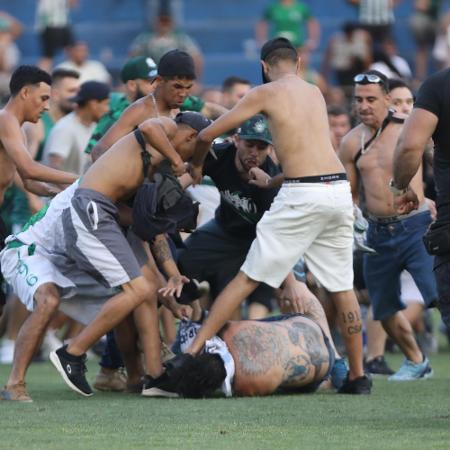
x=294, y=347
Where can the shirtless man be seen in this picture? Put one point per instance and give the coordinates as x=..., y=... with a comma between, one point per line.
x=176, y=75
x=312, y=216
x=30, y=95
x=367, y=153
x=56, y=263
x=292, y=352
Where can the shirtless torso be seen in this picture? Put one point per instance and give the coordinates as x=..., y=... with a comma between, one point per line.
x=375, y=165
x=303, y=146
x=287, y=354
x=119, y=172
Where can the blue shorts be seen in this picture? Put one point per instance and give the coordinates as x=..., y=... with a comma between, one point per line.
x=399, y=247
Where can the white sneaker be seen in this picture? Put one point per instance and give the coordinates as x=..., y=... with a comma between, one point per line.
x=7, y=351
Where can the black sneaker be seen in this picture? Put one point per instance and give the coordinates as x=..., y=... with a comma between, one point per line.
x=72, y=369
x=159, y=387
x=378, y=366
x=360, y=385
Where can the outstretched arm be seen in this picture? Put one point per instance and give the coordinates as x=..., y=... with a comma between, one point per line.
x=28, y=169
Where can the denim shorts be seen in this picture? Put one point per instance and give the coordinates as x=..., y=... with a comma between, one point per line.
x=399, y=247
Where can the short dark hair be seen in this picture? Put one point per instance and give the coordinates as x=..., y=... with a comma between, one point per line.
x=200, y=376
x=281, y=54
x=59, y=74
x=229, y=82
x=27, y=75
x=337, y=110
x=395, y=83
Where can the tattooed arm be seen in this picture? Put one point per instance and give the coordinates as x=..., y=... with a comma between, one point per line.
x=163, y=256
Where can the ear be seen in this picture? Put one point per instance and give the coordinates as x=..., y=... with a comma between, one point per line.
x=265, y=67
x=299, y=65
x=25, y=92
x=131, y=85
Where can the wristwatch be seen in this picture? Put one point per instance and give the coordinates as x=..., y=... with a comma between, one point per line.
x=395, y=190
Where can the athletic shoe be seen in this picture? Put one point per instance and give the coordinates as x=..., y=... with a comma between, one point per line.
x=159, y=387
x=411, y=371
x=339, y=373
x=358, y=386
x=72, y=369
x=16, y=393
x=378, y=366
x=114, y=380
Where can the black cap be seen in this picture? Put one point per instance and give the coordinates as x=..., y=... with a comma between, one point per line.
x=177, y=63
x=91, y=90
x=193, y=119
x=270, y=46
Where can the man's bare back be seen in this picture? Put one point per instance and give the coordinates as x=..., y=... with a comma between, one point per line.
x=119, y=172
x=284, y=353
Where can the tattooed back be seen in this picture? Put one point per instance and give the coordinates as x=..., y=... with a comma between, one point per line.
x=268, y=355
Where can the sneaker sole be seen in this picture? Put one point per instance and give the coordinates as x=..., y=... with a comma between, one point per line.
x=56, y=362
x=156, y=392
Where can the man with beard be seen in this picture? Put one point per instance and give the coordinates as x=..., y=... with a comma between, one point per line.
x=216, y=251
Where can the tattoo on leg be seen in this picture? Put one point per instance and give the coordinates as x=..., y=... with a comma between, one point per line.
x=355, y=329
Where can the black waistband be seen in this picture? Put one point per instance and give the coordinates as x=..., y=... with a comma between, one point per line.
x=318, y=178
x=145, y=155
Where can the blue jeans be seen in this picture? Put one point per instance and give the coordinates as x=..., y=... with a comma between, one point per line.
x=399, y=247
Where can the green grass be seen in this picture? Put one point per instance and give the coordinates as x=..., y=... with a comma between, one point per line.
x=413, y=415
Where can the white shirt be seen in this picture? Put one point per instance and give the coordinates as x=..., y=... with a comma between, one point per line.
x=68, y=139
x=90, y=70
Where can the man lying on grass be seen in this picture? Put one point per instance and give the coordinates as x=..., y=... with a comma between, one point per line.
x=290, y=352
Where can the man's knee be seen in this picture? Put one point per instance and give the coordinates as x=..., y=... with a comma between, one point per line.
x=47, y=298
x=142, y=289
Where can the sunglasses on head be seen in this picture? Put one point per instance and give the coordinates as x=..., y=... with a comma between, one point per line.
x=368, y=78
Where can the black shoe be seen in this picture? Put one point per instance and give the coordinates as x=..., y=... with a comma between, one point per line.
x=159, y=387
x=72, y=369
x=378, y=366
x=360, y=385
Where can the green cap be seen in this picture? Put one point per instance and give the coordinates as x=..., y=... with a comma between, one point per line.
x=138, y=67
x=256, y=129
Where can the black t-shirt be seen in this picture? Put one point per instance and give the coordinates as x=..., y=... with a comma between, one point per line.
x=241, y=204
x=434, y=96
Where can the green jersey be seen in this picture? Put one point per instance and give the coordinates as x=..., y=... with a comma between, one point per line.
x=289, y=21
x=117, y=104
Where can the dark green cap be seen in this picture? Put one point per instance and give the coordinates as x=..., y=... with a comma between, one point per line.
x=139, y=67
x=256, y=129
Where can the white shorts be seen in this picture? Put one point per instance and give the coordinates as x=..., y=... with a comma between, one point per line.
x=26, y=272
x=313, y=220
x=81, y=296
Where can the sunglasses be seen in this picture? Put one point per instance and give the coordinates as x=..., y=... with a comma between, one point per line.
x=368, y=78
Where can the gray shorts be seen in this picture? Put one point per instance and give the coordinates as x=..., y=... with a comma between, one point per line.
x=95, y=242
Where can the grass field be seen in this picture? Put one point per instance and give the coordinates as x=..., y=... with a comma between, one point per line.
x=413, y=415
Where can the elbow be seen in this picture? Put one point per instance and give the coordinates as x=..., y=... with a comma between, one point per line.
x=27, y=172
x=203, y=138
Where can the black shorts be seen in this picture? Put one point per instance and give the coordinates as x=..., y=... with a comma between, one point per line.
x=54, y=39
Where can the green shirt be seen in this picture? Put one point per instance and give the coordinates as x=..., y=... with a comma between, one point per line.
x=289, y=21
x=118, y=102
